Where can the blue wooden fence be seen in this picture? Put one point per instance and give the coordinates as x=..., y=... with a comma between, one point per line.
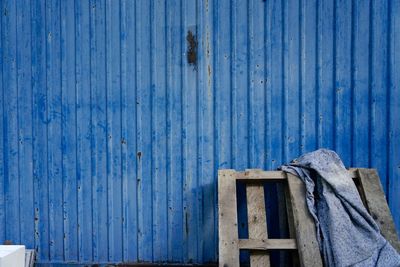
x=116, y=115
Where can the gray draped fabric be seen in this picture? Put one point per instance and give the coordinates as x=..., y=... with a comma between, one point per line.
x=347, y=234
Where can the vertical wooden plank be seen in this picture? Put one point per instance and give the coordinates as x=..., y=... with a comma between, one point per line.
x=24, y=74
x=124, y=134
x=191, y=208
x=174, y=133
x=113, y=111
x=93, y=143
x=377, y=205
x=291, y=80
x=379, y=92
x=269, y=113
x=158, y=33
x=128, y=141
x=256, y=84
x=360, y=83
x=222, y=86
x=325, y=67
x=39, y=129
x=10, y=120
x=81, y=121
x=309, y=75
x=303, y=223
x=2, y=176
x=206, y=173
x=82, y=69
x=227, y=215
x=100, y=132
x=239, y=90
x=68, y=111
x=342, y=86
x=54, y=130
x=257, y=221
x=277, y=97
x=143, y=135
x=394, y=111
x=109, y=112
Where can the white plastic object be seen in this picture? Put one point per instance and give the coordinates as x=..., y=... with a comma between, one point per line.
x=12, y=256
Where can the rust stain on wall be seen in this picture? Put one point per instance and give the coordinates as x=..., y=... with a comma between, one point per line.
x=192, y=48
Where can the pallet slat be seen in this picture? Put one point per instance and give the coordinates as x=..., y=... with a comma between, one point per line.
x=304, y=225
x=256, y=175
x=377, y=205
x=257, y=222
x=269, y=244
x=227, y=223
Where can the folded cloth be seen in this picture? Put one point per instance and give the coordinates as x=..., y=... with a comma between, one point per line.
x=347, y=234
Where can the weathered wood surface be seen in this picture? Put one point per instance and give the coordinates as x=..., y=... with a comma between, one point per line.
x=256, y=174
x=304, y=225
x=377, y=205
x=257, y=222
x=301, y=225
x=268, y=244
x=227, y=223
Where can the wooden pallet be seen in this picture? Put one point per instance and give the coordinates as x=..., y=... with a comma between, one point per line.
x=301, y=225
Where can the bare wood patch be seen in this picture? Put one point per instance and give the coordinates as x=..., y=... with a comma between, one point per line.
x=227, y=215
x=304, y=225
x=377, y=205
x=257, y=221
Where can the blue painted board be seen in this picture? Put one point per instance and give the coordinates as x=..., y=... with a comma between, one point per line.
x=54, y=128
x=24, y=72
x=342, y=80
x=2, y=197
x=393, y=87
